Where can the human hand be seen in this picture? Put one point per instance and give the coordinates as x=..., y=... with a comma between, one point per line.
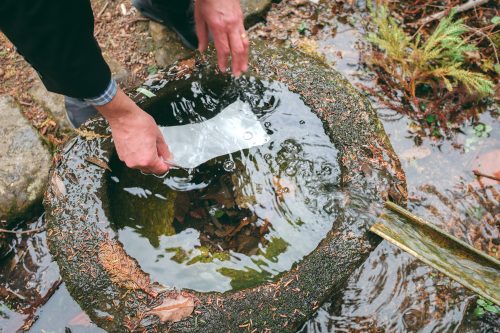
x=224, y=19
x=138, y=140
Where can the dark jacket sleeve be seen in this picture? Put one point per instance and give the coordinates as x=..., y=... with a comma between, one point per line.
x=57, y=38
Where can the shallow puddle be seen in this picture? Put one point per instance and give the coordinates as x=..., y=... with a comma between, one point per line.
x=239, y=219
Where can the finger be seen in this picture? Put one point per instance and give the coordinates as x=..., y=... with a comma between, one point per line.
x=238, y=53
x=158, y=167
x=246, y=46
x=163, y=151
x=222, y=46
x=201, y=31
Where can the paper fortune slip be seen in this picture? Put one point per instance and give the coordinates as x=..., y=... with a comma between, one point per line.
x=234, y=128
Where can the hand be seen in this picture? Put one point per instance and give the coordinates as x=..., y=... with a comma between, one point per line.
x=138, y=140
x=224, y=19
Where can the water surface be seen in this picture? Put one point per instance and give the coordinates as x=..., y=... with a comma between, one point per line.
x=240, y=219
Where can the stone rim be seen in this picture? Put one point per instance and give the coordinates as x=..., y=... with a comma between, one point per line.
x=280, y=306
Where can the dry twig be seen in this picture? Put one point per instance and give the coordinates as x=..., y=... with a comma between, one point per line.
x=103, y=9
x=458, y=9
x=480, y=174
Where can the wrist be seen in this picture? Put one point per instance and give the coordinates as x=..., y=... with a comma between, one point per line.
x=121, y=107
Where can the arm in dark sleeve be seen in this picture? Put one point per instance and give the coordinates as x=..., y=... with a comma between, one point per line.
x=57, y=38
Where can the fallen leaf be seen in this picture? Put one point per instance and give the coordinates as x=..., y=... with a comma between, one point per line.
x=80, y=319
x=58, y=185
x=188, y=63
x=264, y=228
x=173, y=309
x=90, y=135
x=122, y=269
x=96, y=161
x=145, y=92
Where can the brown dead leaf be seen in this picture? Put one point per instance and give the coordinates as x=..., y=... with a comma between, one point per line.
x=187, y=64
x=264, y=228
x=80, y=319
x=90, y=135
x=173, y=309
x=58, y=185
x=122, y=269
x=96, y=161
x=282, y=187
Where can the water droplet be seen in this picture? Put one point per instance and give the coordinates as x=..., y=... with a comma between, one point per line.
x=267, y=124
x=290, y=171
x=302, y=122
x=228, y=165
x=247, y=135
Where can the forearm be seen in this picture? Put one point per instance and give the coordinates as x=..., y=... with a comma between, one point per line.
x=56, y=38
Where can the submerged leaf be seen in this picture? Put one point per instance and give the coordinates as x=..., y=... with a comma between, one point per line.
x=98, y=162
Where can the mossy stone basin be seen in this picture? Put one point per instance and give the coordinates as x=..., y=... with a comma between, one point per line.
x=118, y=295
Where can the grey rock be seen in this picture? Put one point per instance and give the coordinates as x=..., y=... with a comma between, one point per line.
x=119, y=72
x=254, y=10
x=24, y=164
x=168, y=47
x=53, y=103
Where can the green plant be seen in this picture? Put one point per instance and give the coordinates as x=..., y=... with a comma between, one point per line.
x=483, y=306
x=425, y=76
x=439, y=57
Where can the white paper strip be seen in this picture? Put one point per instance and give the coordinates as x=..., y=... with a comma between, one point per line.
x=233, y=129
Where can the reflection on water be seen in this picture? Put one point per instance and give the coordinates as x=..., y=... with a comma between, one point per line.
x=393, y=291
x=239, y=219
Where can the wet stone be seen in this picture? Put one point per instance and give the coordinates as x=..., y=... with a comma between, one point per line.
x=168, y=47
x=24, y=164
x=254, y=10
x=53, y=103
x=227, y=209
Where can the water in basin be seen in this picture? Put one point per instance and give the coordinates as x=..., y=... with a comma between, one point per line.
x=237, y=220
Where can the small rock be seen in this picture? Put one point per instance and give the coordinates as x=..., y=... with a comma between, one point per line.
x=119, y=72
x=24, y=164
x=168, y=47
x=53, y=103
x=254, y=10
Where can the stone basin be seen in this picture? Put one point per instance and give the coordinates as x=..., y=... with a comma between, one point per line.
x=118, y=295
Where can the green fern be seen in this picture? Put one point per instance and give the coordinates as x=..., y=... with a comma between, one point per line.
x=440, y=57
x=389, y=36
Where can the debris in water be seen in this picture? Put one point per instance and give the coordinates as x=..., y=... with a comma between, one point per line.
x=173, y=309
x=98, y=162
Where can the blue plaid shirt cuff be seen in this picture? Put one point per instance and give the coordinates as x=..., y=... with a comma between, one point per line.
x=105, y=97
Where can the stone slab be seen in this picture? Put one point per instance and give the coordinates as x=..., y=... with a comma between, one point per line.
x=24, y=164
x=370, y=170
x=254, y=10
x=53, y=103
